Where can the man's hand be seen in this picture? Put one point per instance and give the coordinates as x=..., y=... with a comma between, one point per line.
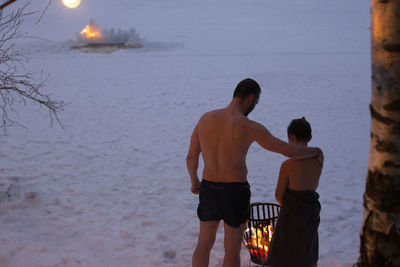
x=195, y=187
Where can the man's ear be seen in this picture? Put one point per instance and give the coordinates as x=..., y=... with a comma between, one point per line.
x=251, y=98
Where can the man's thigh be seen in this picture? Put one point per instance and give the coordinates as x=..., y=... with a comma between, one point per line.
x=233, y=238
x=208, y=231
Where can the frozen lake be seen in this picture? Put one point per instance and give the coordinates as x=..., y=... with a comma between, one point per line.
x=112, y=190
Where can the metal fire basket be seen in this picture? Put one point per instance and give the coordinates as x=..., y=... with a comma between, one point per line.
x=257, y=236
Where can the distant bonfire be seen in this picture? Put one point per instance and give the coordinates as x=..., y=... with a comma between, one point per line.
x=94, y=39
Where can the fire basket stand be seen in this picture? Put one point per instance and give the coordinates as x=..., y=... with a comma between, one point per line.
x=260, y=227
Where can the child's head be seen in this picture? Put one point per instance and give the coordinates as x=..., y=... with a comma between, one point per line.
x=299, y=131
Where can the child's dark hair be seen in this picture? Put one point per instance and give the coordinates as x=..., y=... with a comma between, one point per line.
x=301, y=129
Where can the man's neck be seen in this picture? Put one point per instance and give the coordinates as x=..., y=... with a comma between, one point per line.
x=236, y=105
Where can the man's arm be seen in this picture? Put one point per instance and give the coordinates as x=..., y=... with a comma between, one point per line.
x=266, y=140
x=283, y=182
x=192, y=161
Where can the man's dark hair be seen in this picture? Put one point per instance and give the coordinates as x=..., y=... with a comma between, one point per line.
x=301, y=129
x=247, y=87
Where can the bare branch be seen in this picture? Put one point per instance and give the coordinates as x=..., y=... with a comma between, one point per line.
x=17, y=84
x=44, y=11
x=9, y=2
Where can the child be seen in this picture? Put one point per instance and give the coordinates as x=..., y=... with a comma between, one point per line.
x=295, y=238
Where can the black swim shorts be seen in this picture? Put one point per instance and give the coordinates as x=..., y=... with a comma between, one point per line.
x=227, y=201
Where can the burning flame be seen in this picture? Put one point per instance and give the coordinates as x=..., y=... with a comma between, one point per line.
x=92, y=32
x=259, y=241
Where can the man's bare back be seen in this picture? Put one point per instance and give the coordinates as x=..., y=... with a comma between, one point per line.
x=224, y=141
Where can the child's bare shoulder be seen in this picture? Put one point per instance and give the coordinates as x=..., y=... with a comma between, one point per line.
x=289, y=163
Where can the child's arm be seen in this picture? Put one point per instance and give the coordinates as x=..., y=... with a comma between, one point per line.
x=283, y=182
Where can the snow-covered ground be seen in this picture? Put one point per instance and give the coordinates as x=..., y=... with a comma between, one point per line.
x=112, y=190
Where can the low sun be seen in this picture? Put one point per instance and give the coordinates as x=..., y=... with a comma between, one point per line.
x=71, y=3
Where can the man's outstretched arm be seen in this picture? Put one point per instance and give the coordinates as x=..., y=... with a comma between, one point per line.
x=192, y=161
x=266, y=140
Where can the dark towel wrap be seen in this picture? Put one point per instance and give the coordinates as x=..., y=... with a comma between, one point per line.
x=295, y=239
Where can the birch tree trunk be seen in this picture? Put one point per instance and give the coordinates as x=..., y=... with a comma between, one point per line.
x=380, y=233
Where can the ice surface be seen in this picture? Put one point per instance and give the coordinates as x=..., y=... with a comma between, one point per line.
x=113, y=189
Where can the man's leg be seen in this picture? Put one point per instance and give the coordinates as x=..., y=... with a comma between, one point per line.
x=201, y=255
x=233, y=244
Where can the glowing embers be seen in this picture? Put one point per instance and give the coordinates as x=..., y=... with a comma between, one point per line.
x=92, y=33
x=259, y=239
x=260, y=227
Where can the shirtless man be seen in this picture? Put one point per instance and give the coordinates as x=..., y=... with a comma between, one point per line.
x=223, y=137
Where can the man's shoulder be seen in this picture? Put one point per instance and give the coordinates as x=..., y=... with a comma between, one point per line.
x=211, y=113
x=254, y=125
x=208, y=116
